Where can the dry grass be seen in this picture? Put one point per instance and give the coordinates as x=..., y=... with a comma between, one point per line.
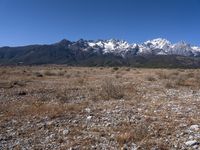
x=170, y=85
x=151, y=78
x=39, y=109
x=126, y=105
x=110, y=89
x=163, y=75
x=125, y=137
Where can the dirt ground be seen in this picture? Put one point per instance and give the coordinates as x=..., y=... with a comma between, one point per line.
x=59, y=107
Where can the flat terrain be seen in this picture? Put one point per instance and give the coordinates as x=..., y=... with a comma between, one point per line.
x=58, y=107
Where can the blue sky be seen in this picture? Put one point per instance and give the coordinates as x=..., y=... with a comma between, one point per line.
x=24, y=22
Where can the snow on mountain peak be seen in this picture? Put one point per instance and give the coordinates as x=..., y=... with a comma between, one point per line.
x=157, y=43
x=157, y=46
x=111, y=45
x=196, y=48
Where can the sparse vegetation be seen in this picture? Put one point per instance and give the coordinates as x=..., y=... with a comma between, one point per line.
x=151, y=78
x=74, y=107
x=110, y=89
x=169, y=85
x=115, y=68
x=162, y=75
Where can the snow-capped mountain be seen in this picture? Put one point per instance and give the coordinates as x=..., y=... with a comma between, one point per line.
x=105, y=52
x=123, y=48
x=164, y=47
x=117, y=47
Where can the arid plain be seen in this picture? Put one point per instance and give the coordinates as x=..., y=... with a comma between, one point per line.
x=60, y=107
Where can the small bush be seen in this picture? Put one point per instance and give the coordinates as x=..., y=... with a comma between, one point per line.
x=175, y=73
x=128, y=69
x=65, y=96
x=115, y=68
x=111, y=90
x=190, y=75
x=61, y=73
x=150, y=78
x=6, y=85
x=162, y=75
x=49, y=73
x=68, y=75
x=128, y=134
x=125, y=137
x=38, y=74
x=118, y=76
x=169, y=85
x=181, y=81
x=80, y=81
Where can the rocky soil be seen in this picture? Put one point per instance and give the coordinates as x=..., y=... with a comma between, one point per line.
x=58, y=107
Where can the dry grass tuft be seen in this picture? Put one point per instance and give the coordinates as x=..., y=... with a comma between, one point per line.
x=84, y=101
x=110, y=89
x=6, y=85
x=54, y=72
x=162, y=75
x=51, y=110
x=132, y=134
x=170, y=85
x=150, y=78
x=115, y=68
x=125, y=137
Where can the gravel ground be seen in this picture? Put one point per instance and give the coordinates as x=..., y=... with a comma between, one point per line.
x=58, y=107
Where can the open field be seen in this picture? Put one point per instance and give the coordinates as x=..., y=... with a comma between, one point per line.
x=58, y=107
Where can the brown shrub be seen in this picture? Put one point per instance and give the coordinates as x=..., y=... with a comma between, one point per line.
x=80, y=81
x=180, y=81
x=111, y=90
x=54, y=72
x=118, y=76
x=129, y=133
x=49, y=73
x=125, y=137
x=175, y=73
x=151, y=78
x=52, y=110
x=169, y=85
x=6, y=85
x=115, y=68
x=128, y=69
x=38, y=74
x=190, y=75
x=163, y=75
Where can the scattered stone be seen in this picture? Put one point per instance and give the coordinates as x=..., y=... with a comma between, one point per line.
x=97, y=124
x=191, y=143
x=88, y=110
x=89, y=118
x=194, y=127
x=65, y=132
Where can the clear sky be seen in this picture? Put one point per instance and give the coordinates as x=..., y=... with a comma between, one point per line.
x=24, y=22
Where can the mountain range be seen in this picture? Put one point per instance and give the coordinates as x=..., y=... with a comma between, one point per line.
x=152, y=53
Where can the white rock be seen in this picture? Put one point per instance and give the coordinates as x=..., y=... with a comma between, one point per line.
x=191, y=137
x=65, y=132
x=89, y=118
x=49, y=123
x=88, y=110
x=195, y=146
x=194, y=127
x=191, y=143
x=52, y=135
x=134, y=146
